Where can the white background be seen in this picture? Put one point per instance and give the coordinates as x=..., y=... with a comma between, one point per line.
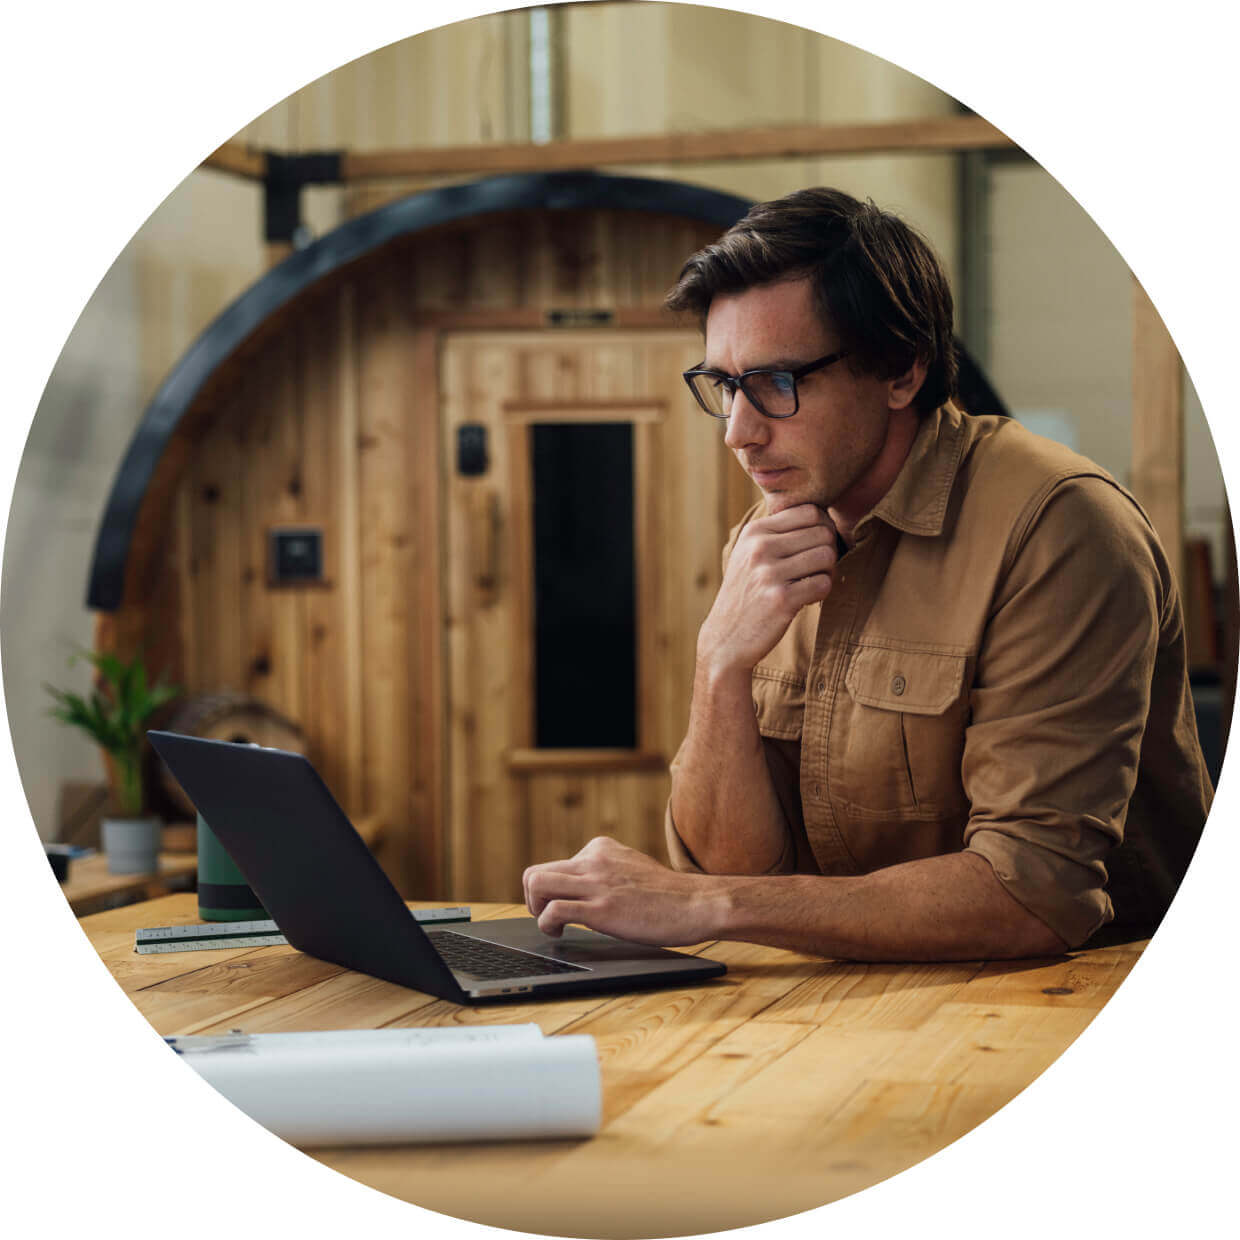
x=107, y=107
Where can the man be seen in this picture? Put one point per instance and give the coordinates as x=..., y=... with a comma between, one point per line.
x=940, y=708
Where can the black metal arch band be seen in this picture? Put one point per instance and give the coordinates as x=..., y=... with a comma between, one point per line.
x=353, y=240
x=349, y=242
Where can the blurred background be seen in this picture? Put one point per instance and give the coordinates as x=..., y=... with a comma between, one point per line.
x=346, y=450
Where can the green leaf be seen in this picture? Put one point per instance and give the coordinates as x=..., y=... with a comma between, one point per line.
x=115, y=713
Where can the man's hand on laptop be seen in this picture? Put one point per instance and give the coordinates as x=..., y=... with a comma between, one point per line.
x=619, y=891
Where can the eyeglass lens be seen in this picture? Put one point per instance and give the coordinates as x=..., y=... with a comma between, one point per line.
x=772, y=392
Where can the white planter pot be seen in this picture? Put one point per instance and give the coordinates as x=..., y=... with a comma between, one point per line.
x=132, y=845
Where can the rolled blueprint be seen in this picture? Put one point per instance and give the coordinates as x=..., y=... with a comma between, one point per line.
x=395, y=1086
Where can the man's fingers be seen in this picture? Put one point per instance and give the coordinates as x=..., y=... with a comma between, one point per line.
x=795, y=541
x=559, y=913
x=575, y=875
x=799, y=517
x=545, y=883
x=568, y=865
x=811, y=589
x=816, y=560
x=526, y=877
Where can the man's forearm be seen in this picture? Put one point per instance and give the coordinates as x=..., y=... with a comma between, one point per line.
x=723, y=801
x=941, y=908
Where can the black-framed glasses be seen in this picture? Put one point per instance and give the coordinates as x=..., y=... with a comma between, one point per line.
x=770, y=392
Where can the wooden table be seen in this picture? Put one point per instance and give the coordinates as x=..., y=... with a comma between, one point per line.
x=787, y=1084
x=90, y=884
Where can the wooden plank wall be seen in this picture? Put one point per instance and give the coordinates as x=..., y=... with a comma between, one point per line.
x=318, y=434
x=332, y=419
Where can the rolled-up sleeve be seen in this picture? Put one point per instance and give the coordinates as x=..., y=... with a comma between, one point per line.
x=682, y=859
x=679, y=856
x=795, y=856
x=1060, y=699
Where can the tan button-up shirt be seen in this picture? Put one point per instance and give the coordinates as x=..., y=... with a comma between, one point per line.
x=1000, y=666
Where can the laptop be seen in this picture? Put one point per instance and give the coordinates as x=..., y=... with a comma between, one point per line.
x=329, y=897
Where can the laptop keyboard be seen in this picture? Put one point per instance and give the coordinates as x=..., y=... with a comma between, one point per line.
x=490, y=962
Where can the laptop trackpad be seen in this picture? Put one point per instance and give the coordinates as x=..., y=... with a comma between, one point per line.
x=577, y=945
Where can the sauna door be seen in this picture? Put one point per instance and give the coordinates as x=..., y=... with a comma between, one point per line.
x=587, y=503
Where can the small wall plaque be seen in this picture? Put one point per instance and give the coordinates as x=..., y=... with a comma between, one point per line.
x=295, y=555
x=580, y=318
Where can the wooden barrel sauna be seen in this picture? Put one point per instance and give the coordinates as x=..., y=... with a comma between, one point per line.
x=359, y=496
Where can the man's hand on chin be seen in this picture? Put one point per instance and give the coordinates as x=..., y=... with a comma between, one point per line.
x=778, y=565
x=619, y=891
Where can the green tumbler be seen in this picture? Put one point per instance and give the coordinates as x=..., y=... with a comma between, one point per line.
x=223, y=893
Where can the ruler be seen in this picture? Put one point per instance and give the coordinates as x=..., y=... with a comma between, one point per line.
x=217, y=935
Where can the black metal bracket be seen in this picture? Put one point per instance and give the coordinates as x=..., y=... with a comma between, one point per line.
x=286, y=176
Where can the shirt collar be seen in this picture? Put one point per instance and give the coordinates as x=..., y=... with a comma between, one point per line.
x=917, y=501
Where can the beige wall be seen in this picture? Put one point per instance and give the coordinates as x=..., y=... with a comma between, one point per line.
x=649, y=68
x=194, y=255
x=628, y=68
x=459, y=84
x=1061, y=339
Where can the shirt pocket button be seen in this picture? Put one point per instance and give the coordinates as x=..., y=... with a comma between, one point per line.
x=898, y=685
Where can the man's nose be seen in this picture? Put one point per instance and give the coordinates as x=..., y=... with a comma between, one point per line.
x=746, y=425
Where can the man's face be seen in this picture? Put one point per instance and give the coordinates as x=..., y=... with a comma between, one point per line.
x=828, y=451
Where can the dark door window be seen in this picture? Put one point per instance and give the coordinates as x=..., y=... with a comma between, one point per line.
x=585, y=610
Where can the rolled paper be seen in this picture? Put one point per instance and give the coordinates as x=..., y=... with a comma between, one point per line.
x=397, y=1086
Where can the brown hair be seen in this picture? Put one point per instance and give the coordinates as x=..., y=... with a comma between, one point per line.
x=876, y=281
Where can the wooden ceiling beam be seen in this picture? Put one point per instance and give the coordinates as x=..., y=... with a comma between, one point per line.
x=940, y=133
x=946, y=133
x=239, y=159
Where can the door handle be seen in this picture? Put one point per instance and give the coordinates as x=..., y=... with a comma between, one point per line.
x=484, y=544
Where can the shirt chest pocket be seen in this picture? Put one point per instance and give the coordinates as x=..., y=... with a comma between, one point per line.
x=897, y=736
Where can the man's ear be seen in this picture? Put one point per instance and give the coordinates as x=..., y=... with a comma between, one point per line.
x=902, y=390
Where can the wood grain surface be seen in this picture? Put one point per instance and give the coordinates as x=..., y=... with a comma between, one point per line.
x=788, y=1083
x=91, y=884
x=340, y=414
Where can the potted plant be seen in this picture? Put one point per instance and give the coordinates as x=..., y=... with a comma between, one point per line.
x=114, y=716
